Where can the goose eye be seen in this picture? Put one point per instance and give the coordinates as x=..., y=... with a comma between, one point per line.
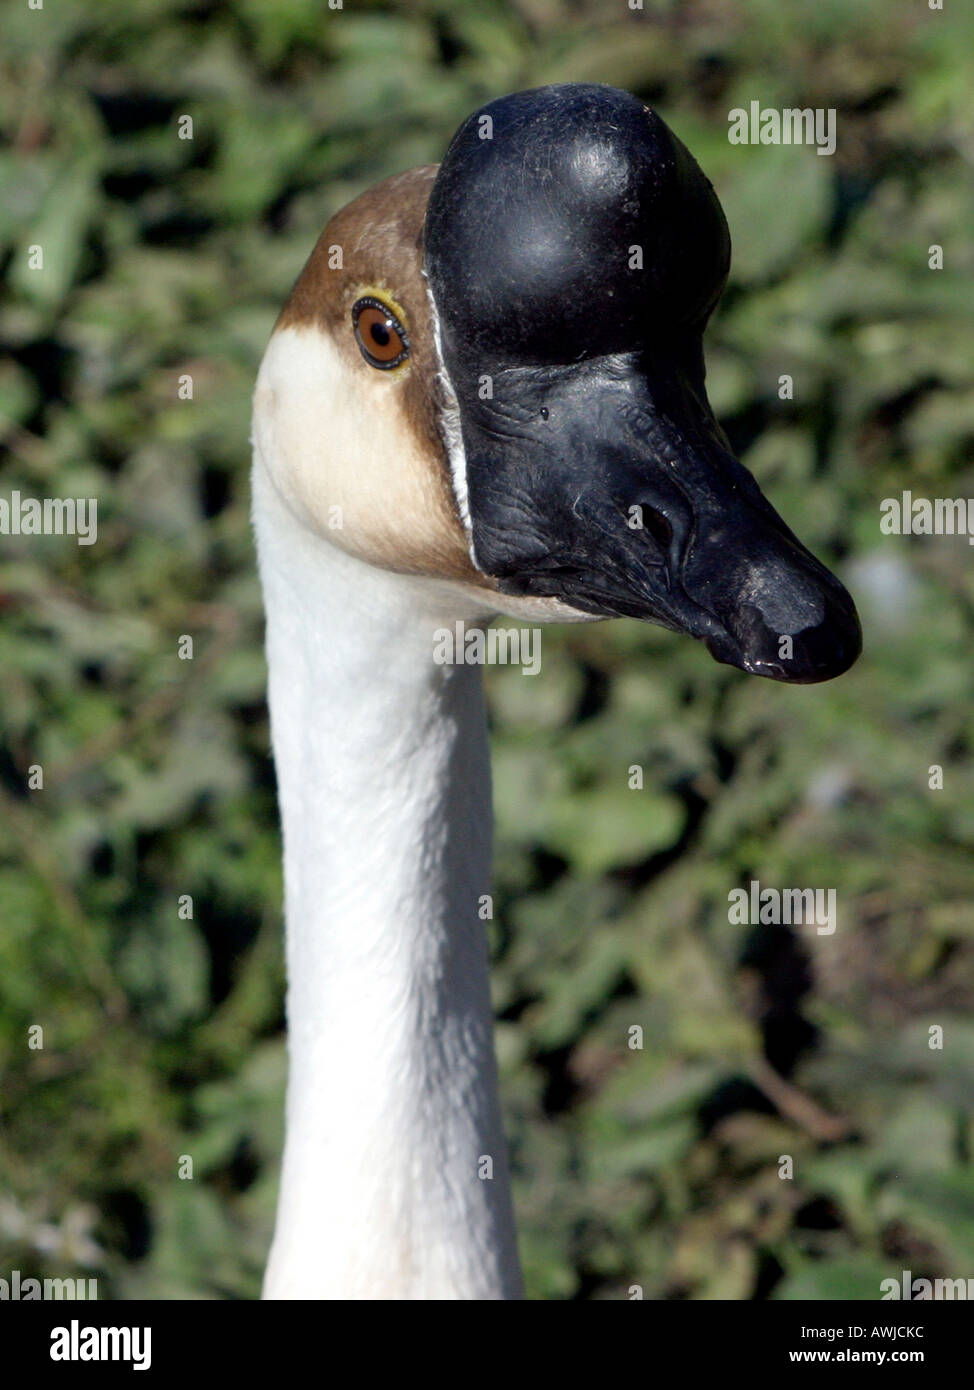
x=380, y=336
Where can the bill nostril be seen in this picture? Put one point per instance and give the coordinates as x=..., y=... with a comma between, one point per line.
x=656, y=524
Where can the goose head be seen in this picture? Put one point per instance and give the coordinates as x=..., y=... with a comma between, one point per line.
x=491, y=374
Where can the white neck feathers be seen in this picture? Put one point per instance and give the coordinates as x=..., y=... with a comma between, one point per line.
x=393, y=1119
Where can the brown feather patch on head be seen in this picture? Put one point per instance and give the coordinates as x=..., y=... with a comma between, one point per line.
x=374, y=244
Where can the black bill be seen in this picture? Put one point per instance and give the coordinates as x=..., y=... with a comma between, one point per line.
x=574, y=252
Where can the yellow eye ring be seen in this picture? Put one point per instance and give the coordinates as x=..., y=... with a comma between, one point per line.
x=380, y=333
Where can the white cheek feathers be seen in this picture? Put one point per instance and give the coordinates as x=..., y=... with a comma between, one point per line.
x=335, y=437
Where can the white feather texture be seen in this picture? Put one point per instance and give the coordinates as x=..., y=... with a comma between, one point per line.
x=393, y=1118
x=450, y=426
x=383, y=782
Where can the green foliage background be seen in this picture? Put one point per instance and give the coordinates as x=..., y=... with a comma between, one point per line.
x=163, y=1037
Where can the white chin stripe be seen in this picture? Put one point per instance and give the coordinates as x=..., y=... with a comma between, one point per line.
x=450, y=426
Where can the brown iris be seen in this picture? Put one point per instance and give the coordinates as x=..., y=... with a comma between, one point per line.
x=380, y=336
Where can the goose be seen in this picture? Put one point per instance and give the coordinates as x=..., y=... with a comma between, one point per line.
x=484, y=373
